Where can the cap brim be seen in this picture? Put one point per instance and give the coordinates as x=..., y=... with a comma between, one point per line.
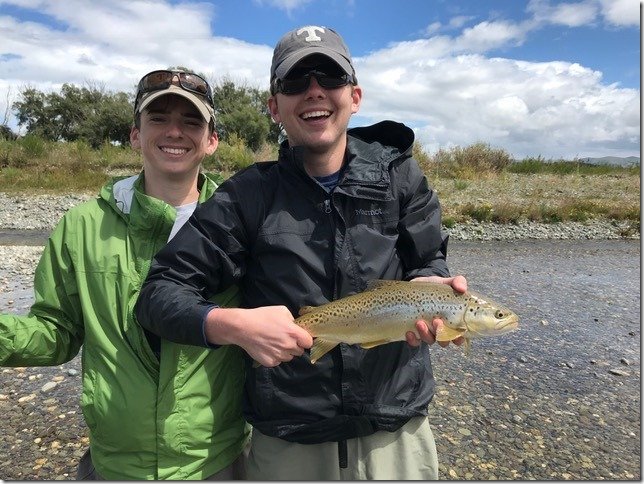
x=283, y=69
x=204, y=109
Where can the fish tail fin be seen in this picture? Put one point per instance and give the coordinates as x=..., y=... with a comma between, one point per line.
x=320, y=348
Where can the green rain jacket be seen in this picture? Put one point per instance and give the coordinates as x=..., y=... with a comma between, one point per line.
x=173, y=417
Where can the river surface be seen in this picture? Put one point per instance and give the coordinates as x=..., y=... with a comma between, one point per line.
x=557, y=399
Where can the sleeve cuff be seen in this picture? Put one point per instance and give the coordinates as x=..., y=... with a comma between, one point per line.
x=206, y=311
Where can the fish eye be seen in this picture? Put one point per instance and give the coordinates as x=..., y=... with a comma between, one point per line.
x=499, y=314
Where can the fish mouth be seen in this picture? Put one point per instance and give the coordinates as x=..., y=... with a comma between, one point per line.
x=508, y=324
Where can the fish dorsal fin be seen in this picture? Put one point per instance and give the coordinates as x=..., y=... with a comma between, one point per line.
x=445, y=333
x=306, y=309
x=371, y=344
x=320, y=348
x=379, y=284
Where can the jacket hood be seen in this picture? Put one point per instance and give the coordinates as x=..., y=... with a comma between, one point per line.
x=387, y=133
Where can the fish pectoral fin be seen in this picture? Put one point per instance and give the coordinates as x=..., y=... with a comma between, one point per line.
x=445, y=333
x=370, y=344
x=306, y=309
x=320, y=348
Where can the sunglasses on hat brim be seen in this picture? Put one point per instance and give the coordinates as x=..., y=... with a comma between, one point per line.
x=157, y=80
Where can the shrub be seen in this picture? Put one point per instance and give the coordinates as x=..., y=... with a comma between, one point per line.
x=480, y=213
x=472, y=162
x=231, y=156
x=34, y=146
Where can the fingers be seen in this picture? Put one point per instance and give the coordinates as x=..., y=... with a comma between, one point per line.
x=458, y=283
x=427, y=333
x=412, y=339
x=303, y=338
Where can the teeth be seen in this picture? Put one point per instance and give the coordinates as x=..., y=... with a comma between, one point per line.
x=174, y=151
x=316, y=114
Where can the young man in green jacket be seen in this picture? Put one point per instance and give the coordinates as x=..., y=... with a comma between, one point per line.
x=154, y=409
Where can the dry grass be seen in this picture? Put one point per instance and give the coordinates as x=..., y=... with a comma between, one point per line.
x=509, y=197
x=473, y=183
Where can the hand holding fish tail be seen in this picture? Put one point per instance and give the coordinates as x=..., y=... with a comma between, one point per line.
x=426, y=331
x=267, y=333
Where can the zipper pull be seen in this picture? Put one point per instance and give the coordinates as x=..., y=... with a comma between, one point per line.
x=327, y=206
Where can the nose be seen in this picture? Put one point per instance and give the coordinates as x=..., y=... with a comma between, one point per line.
x=314, y=89
x=174, y=130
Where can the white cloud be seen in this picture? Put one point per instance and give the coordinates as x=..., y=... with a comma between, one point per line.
x=117, y=42
x=286, y=5
x=489, y=35
x=458, y=21
x=621, y=12
x=446, y=87
x=552, y=109
x=568, y=14
x=433, y=28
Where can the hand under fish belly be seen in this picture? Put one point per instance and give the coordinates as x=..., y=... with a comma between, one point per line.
x=388, y=309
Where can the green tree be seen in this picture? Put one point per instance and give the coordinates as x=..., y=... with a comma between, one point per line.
x=6, y=133
x=88, y=113
x=241, y=111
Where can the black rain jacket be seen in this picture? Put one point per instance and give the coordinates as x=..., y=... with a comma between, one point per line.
x=283, y=239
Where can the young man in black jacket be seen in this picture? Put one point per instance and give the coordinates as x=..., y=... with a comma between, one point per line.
x=338, y=209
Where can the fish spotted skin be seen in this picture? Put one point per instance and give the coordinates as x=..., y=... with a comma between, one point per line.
x=387, y=310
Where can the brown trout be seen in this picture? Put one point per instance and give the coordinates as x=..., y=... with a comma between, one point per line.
x=387, y=310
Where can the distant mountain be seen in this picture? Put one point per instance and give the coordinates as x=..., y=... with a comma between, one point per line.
x=612, y=160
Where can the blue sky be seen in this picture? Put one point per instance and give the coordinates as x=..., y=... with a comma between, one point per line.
x=558, y=79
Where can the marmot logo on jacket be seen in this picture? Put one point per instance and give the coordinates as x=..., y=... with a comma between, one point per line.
x=371, y=213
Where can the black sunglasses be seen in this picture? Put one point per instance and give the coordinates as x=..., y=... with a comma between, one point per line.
x=157, y=80
x=299, y=84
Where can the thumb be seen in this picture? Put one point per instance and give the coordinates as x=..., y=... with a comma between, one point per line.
x=304, y=338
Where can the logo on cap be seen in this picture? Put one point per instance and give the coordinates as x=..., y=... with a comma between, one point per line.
x=311, y=30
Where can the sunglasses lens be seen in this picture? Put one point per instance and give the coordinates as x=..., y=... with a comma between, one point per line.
x=299, y=81
x=294, y=86
x=328, y=82
x=155, y=80
x=192, y=82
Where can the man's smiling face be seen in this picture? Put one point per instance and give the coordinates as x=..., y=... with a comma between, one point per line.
x=316, y=118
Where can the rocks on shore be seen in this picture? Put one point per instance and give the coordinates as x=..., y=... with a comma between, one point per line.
x=42, y=212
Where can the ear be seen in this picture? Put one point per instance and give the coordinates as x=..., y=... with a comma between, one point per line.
x=356, y=98
x=213, y=142
x=274, y=109
x=135, y=138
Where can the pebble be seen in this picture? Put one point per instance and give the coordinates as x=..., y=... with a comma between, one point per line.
x=50, y=385
x=27, y=398
x=618, y=372
x=42, y=212
x=490, y=424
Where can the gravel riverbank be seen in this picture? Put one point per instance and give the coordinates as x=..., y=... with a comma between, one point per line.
x=557, y=400
x=42, y=212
